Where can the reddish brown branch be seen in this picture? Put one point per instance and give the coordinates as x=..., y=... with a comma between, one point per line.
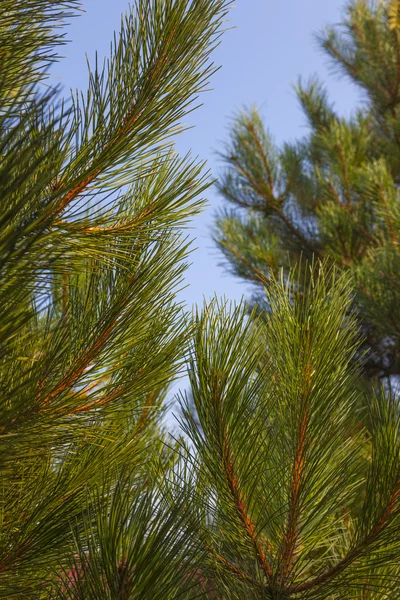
x=263, y=156
x=74, y=193
x=128, y=122
x=292, y=529
x=233, y=569
x=258, y=276
x=233, y=485
x=243, y=513
x=270, y=201
x=70, y=379
x=96, y=403
x=146, y=408
x=357, y=551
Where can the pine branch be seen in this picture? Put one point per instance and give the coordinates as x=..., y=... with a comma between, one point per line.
x=242, y=511
x=355, y=553
x=272, y=205
x=292, y=531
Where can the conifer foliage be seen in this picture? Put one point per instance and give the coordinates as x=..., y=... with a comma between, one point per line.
x=293, y=503
x=93, y=197
x=335, y=193
x=287, y=488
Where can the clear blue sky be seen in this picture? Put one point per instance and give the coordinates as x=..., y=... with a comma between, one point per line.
x=272, y=43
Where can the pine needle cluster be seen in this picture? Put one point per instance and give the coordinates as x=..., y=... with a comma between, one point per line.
x=93, y=201
x=295, y=501
x=287, y=482
x=334, y=194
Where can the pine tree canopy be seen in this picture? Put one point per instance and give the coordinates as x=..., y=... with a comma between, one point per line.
x=286, y=484
x=293, y=503
x=334, y=194
x=93, y=199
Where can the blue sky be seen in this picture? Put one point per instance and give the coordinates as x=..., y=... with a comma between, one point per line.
x=271, y=44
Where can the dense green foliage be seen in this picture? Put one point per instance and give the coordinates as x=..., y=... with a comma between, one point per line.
x=334, y=194
x=92, y=200
x=287, y=484
x=294, y=503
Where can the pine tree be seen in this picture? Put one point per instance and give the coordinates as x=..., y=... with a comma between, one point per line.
x=333, y=195
x=93, y=200
x=293, y=504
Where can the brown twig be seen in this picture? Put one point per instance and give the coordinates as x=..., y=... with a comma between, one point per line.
x=357, y=551
x=272, y=205
x=292, y=529
x=243, y=513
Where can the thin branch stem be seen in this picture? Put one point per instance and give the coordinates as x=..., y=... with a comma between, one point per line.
x=306, y=243
x=243, y=513
x=292, y=530
x=357, y=551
